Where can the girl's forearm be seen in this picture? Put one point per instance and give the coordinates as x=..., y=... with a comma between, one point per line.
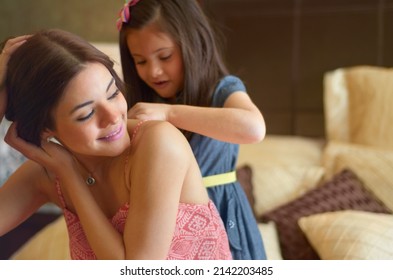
x=232, y=125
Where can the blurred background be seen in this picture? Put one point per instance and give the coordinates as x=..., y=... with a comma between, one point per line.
x=280, y=48
x=92, y=19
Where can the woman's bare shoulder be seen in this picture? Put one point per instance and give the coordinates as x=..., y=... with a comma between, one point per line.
x=152, y=129
x=162, y=136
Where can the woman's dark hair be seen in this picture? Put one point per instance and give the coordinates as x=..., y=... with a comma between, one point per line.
x=38, y=73
x=188, y=26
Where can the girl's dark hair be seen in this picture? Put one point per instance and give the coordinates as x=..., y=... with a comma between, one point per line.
x=38, y=73
x=188, y=26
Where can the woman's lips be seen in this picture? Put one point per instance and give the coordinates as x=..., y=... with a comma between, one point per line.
x=115, y=135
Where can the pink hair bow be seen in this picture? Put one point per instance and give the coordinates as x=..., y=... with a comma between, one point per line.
x=124, y=14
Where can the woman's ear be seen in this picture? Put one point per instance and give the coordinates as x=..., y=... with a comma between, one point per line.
x=47, y=135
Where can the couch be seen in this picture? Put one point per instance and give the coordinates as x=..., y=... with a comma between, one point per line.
x=313, y=198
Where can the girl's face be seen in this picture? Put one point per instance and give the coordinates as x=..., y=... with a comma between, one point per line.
x=158, y=60
x=91, y=118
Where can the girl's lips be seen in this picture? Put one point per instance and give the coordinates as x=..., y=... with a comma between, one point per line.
x=160, y=84
x=115, y=135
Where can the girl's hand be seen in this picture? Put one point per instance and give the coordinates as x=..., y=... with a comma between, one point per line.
x=9, y=47
x=50, y=155
x=149, y=111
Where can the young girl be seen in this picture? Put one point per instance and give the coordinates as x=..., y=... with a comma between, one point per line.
x=128, y=189
x=169, y=57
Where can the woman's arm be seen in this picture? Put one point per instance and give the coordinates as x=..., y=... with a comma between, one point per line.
x=161, y=162
x=21, y=195
x=9, y=47
x=105, y=241
x=239, y=121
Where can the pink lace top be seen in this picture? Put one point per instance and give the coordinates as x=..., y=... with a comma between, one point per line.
x=199, y=232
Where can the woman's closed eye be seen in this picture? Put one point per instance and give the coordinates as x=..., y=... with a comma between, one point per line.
x=88, y=116
x=140, y=62
x=115, y=94
x=84, y=118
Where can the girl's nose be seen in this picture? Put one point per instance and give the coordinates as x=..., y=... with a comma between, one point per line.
x=156, y=70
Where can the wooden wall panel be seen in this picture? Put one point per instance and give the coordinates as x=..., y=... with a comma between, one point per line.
x=283, y=48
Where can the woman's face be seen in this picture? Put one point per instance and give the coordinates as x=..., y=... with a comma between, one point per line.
x=91, y=118
x=158, y=60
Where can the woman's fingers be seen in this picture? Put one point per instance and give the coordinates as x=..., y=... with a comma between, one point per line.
x=31, y=151
x=12, y=44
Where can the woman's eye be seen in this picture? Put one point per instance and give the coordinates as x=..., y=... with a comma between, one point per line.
x=116, y=93
x=81, y=119
x=141, y=62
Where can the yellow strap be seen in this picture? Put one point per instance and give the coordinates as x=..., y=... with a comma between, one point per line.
x=219, y=179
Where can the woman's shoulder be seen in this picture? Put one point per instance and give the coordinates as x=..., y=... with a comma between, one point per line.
x=159, y=141
x=155, y=132
x=137, y=127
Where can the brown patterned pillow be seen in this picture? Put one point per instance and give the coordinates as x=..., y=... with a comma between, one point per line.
x=343, y=192
x=244, y=177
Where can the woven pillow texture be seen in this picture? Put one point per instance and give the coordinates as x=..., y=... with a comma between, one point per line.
x=344, y=191
x=350, y=235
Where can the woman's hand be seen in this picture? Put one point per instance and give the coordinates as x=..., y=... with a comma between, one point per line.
x=9, y=47
x=50, y=155
x=149, y=111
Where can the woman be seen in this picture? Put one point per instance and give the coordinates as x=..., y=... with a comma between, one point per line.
x=128, y=189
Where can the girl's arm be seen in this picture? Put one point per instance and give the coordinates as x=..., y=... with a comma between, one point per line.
x=239, y=121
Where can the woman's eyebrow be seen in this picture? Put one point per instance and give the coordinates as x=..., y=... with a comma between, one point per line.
x=110, y=83
x=80, y=106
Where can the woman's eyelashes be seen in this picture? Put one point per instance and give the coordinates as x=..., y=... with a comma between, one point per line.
x=82, y=119
x=115, y=94
x=88, y=116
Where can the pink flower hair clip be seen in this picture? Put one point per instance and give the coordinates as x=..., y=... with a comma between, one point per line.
x=124, y=14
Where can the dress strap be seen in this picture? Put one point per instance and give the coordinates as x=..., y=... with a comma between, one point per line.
x=134, y=132
x=60, y=194
x=136, y=129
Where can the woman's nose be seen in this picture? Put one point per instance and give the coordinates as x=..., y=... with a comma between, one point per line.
x=109, y=115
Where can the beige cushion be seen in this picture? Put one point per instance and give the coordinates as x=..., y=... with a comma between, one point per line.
x=373, y=166
x=284, y=168
x=270, y=240
x=343, y=192
x=359, y=105
x=336, y=106
x=350, y=235
x=51, y=243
